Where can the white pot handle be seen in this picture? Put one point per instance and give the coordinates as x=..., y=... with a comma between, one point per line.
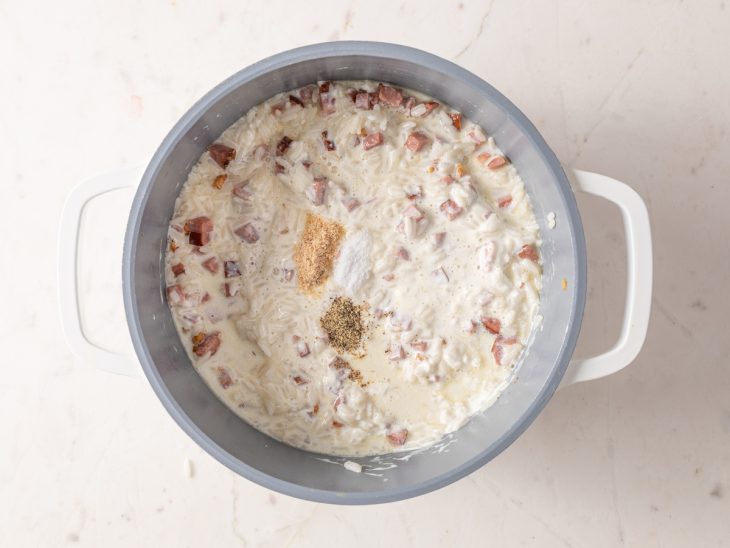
x=639, y=278
x=68, y=296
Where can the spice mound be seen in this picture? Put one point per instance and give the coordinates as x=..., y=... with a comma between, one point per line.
x=343, y=324
x=353, y=374
x=315, y=251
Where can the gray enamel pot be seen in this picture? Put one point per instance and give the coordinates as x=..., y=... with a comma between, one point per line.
x=298, y=473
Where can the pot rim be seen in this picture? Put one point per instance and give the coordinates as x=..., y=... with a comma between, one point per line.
x=328, y=50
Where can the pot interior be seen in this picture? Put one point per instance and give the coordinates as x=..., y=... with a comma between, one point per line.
x=279, y=466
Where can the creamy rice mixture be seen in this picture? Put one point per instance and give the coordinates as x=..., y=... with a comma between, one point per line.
x=354, y=268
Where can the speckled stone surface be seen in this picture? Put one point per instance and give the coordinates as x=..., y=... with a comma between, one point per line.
x=638, y=91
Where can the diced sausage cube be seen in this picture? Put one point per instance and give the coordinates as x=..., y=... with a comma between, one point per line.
x=363, y=100
x=198, y=230
x=306, y=93
x=484, y=157
x=373, y=98
x=456, y=120
x=497, y=352
x=315, y=191
x=412, y=212
x=222, y=154
x=451, y=209
x=529, y=252
x=493, y=325
x=430, y=107
x=373, y=140
x=231, y=289
x=198, y=224
x=389, y=95
x=329, y=146
x=350, y=203
x=402, y=253
x=283, y=146
x=175, y=295
x=398, y=437
x=438, y=239
x=326, y=99
x=416, y=141
x=397, y=353
x=497, y=162
x=208, y=345
x=178, y=269
x=302, y=349
x=414, y=192
x=211, y=265
x=241, y=191
x=230, y=269
x=497, y=347
x=424, y=109
x=408, y=104
x=504, y=201
x=224, y=378
x=247, y=233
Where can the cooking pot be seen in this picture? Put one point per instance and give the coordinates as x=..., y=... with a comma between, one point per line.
x=545, y=364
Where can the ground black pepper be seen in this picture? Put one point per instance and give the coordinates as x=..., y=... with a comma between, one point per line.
x=343, y=324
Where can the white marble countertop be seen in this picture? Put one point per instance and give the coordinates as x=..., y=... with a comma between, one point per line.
x=638, y=91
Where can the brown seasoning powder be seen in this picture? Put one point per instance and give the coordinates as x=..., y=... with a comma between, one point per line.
x=353, y=374
x=315, y=251
x=343, y=324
